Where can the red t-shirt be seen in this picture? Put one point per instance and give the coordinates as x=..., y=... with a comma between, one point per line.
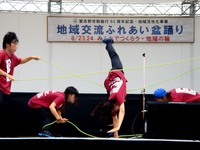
x=7, y=64
x=44, y=99
x=184, y=95
x=115, y=84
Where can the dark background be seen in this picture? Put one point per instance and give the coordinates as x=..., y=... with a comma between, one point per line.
x=22, y=123
x=162, y=120
x=168, y=120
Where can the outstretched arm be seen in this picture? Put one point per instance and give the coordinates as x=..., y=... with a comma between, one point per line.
x=27, y=59
x=117, y=122
x=121, y=115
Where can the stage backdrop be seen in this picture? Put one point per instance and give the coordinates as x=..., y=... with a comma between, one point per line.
x=85, y=64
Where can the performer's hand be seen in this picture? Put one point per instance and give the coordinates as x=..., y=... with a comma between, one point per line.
x=36, y=57
x=65, y=119
x=10, y=77
x=62, y=120
x=113, y=130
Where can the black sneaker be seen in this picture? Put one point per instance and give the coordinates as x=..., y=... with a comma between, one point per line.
x=45, y=133
x=107, y=40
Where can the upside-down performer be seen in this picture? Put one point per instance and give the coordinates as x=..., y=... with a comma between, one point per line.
x=115, y=85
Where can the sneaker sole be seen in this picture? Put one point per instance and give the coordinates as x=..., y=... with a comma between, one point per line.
x=44, y=135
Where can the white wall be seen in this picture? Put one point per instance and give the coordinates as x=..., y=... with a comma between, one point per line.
x=85, y=65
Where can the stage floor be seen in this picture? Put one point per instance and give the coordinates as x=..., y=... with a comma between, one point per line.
x=89, y=143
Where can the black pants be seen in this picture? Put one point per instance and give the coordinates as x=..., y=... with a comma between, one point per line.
x=45, y=117
x=115, y=60
x=4, y=98
x=6, y=117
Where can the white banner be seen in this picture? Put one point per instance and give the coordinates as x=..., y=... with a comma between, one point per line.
x=121, y=29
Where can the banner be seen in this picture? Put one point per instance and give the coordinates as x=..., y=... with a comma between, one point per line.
x=121, y=29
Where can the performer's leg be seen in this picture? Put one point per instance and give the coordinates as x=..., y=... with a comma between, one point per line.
x=115, y=60
x=44, y=116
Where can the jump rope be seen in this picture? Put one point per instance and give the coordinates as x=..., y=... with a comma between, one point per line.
x=143, y=89
x=89, y=135
x=81, y=76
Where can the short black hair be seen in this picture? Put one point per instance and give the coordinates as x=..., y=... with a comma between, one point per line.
x=71, y=90
x=9, y=38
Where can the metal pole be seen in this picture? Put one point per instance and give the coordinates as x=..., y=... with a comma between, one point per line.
x=143, y=91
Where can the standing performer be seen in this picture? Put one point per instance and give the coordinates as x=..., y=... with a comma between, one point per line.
x=115, y=84
x=48, y=106
x=176, y=95
x=8, y=62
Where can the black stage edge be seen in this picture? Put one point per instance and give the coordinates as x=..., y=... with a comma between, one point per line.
x=93, y=143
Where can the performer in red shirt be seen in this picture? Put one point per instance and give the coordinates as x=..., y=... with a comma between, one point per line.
x=48, y=107
x=176, y=95
x=115, y=84
x=8, y=62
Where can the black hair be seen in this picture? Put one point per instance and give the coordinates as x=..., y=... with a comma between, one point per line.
x=103, y=110
x=168, y=95
x=71, y=90
x=9, y=38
